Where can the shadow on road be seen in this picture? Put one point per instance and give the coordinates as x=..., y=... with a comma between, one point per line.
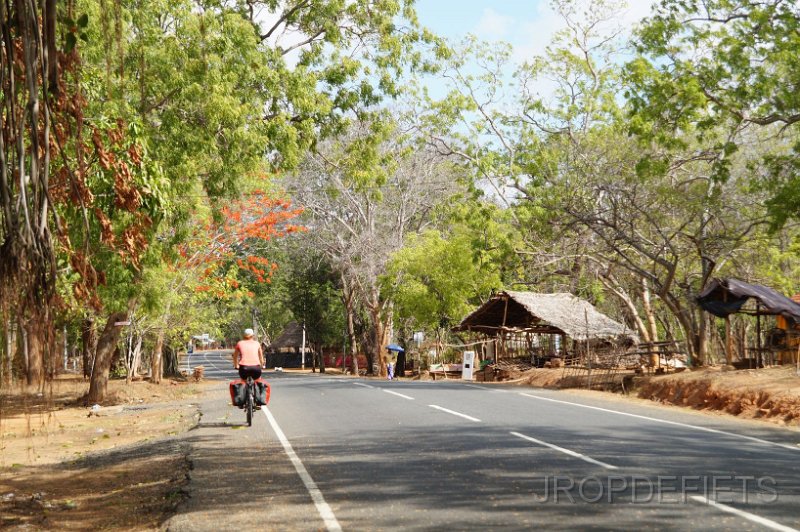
x=219, y=424
x=430, y=473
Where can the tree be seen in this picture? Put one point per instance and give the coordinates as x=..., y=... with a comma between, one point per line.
x=364, y=193
x=436, y=279
x=27, y=249
x=589, y=207
x=707, y=66
x=312, y=294
x=213, y=92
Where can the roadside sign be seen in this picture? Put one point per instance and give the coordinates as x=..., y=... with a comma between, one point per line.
x=468, y=365
x=418, y=338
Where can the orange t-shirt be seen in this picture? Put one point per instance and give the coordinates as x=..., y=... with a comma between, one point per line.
x=248, y=353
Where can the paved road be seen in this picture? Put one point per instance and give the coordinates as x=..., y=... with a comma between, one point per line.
x=369, y=455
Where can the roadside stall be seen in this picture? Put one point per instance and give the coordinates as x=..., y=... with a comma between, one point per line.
x=777, y=322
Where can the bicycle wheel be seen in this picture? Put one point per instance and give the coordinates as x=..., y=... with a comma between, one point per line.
x=249, y=406
x=249, y=409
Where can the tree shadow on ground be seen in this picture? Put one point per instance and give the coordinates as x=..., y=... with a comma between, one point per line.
x=130, y=487
x=468, y=478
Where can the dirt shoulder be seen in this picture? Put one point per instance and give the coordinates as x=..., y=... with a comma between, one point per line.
x=67, y=466
x=768, y=394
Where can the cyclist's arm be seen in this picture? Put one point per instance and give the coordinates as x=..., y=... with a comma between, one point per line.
x=236, y=357
x=261, y=355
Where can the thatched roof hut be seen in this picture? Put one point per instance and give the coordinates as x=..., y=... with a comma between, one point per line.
x=559, y=314
x=285, y=350
x=290, y=339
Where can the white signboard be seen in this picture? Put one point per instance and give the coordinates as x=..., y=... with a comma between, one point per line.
x=468, y=365
x=419, y=337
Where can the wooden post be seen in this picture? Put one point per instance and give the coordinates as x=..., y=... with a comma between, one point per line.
x=795, y=354
x=728, y=341
x=758, y=334
x=502, y=328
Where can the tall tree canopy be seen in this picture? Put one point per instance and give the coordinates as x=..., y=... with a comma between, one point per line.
x=718, y=70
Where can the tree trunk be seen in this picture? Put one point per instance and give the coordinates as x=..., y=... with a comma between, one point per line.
x=633, y=313
x=728, y=341
x=349, y=308
x=156, y=364
x=106, y=347
x=353, y=340
x=171, y=364
x=321, y=360
x=134, y=358
x=36, y=347
x=379, y=329
x=686, y=323
x=377, y=342
x=702, y=339
x=89, y=344
x=24, y=358
x=128, y=362
x=648, y=311
x=11, y=349
x=50, y=10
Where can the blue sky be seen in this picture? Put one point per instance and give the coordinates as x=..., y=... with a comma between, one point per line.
x=455, y=18
x=528, y=25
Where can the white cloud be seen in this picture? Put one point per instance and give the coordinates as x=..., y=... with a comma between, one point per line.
x=492, y=25
x=537, y=32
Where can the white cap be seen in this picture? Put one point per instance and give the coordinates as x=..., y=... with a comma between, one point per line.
x=248, y=332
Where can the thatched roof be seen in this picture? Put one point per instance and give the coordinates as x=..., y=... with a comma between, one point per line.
x=559, y=313
x=291, y=336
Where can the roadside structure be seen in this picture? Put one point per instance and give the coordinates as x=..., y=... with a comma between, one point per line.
x=725, y=297
x=541, y=327
x=286, y=350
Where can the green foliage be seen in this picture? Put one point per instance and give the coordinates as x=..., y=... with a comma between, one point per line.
x=219, y=104
x=436, y=279
x=714, y=70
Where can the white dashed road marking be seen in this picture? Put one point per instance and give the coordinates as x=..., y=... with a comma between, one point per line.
x=459, y=414
x=565, y=451
x=763, y=521
x=657, y=420
x=398, y=394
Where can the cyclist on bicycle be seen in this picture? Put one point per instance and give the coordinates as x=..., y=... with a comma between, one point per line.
x=248, y=357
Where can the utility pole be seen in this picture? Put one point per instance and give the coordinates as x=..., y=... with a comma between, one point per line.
x=303, y=343
x=255, y=325
x=303, y=347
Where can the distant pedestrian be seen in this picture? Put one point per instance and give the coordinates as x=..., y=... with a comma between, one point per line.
x=390, y=370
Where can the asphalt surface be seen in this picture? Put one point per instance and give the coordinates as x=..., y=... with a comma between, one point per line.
x=361, y=454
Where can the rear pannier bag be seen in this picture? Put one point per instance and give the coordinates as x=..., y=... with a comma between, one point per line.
x=238, y=390
x=262, y=392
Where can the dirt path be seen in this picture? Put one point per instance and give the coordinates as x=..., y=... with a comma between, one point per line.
x=65, y=466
